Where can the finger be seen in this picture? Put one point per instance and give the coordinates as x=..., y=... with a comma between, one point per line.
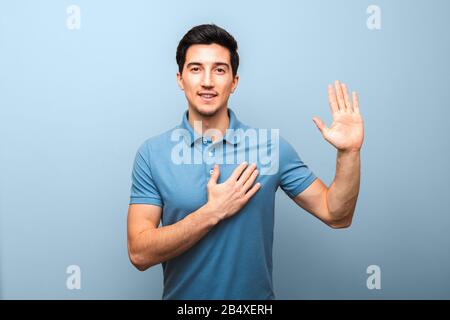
x=252, y=191
x=320, y=125
x=250, y=180
x=340, y=96
x=214, y=175
x=237, y=172
x=332, y=99
x=355, y=102
x=346, y=97
x=247, y=173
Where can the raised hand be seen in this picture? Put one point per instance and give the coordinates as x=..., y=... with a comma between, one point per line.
x=347, y=130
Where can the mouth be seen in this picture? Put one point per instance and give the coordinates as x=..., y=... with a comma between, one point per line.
x=207, y=96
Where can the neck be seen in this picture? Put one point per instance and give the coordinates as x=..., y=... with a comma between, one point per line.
x=218, y=121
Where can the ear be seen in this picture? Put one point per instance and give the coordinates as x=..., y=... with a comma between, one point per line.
x=234, y=83
x=180, y=80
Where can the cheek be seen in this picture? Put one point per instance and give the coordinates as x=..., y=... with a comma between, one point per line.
x=225, y=86
x=190, y=84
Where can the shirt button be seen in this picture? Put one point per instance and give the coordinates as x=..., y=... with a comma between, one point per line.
x=205, y=141
x=211, y=171
x=211, y=153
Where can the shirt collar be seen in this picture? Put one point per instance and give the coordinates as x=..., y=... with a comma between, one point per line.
x=232, y=136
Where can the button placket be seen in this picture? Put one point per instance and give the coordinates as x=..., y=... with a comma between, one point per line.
x=209, y=167
x=211, y=153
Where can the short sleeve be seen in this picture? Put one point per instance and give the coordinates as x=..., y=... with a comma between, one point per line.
x=143, y=187
x=295, y=176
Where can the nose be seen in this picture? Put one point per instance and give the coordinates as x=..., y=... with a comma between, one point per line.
x=207, y=80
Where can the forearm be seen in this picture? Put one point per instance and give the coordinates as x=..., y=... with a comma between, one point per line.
x=154, y=246
x=343, y=192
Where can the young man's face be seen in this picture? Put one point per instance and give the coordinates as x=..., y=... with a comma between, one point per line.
x=207, y=78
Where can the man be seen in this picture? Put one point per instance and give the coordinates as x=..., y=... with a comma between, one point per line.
x=217, y=216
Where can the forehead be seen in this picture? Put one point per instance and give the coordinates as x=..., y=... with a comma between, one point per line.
x=207, y=53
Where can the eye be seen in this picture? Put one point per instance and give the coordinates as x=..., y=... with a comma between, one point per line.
x=195, y=69
x=220, y=70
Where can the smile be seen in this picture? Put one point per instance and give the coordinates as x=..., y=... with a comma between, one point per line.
x=207, y=97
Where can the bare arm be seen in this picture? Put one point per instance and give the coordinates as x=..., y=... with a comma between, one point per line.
x=343, y=192
x=149, y=245
x=336, y=205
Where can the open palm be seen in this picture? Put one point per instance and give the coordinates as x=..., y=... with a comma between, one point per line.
x=347, y=130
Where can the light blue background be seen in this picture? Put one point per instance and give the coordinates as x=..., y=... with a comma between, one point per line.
x=75, y=106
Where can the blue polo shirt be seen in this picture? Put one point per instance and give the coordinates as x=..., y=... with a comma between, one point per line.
x=234, y=259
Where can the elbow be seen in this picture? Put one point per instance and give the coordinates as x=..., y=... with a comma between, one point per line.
x=140, y=267
x=343, y=223
x=340, y=225
x=139, y=262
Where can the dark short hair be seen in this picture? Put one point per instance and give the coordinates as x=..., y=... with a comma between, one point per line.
x=208, y=34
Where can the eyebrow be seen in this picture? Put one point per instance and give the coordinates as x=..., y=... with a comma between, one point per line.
x=215, y=64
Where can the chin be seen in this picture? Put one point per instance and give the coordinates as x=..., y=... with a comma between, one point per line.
x=207, y=110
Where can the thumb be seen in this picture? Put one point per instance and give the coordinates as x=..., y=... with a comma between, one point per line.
x=320, y=125
x=215, y=175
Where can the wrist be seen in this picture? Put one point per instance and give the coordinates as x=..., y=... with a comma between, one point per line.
x=348, y=154
x=349, y=151
x=211, y=213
